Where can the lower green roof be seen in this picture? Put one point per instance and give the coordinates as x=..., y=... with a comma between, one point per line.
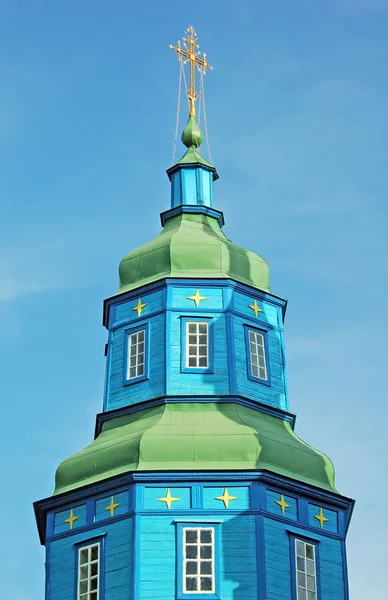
x=196, y=437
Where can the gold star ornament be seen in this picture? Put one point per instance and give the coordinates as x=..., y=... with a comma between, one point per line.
x=71, y=519
x=255, y=307
x=168, y=499
x=139, y=307
x=282, y=503
x=226, y=498
x=197, y=298
x=321, y=518
x=112, y=506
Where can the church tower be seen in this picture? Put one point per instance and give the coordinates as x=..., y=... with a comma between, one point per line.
x=196, y=485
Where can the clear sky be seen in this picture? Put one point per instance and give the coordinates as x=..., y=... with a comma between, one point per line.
x=297, y=118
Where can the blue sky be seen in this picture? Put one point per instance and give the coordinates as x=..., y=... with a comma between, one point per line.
x=297, y=118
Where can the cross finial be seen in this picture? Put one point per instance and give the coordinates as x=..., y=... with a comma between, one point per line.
x=189, y=54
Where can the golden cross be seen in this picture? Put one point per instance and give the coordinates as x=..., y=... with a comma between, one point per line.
x=71, y=519
x=189, y=54
x=282, y=503
x=321, y=518
x=197, y=298
x=255, y=307
x=112, y=506
x=226, y=498
x=168, y=499
x=139, y=307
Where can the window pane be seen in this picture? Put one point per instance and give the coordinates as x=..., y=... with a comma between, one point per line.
x=206, y=536
x=93, y=569
x=202, y=361
x=300, y=564
x=301, y=579
x=206, y=551
x=310, y=583
x=191, y=551
x=202, y=328
x=93, y=583
x=93, y=596
x=83, y=587
x=311, y=596
x=310, y=567
x=206, y=567
x=191, y=536
x=192, y=327
x=300, y=548
x=206, y=584
x=192, y=362
x=302, y=594
x=191, y=584
x=191, y=567
x=84, y=556
x=309, y=551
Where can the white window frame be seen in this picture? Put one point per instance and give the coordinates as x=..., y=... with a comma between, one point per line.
x=257, y=350
x=84, y=584
x=305, y=571
x=198, y=560
x=197, y=345
x=133, y=342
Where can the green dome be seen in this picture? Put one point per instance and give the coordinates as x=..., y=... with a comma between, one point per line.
x=192, y=135
x=192, y=245
x=196, y=437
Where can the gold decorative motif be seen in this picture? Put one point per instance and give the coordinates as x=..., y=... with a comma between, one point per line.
x=255, y=307
x=197, y=298
x=168, y=499
x=139, y=307
x=112, y=506
x=71, y=519
x=189, y=54
x=282, y=503
x=226, y=498
x=321, y=518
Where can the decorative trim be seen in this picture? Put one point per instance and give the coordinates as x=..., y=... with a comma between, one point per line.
x=163, y=282
x=194, y=209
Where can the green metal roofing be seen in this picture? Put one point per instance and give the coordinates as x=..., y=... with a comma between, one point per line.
x=192, y=245
x=196, y=437
x=193, y=156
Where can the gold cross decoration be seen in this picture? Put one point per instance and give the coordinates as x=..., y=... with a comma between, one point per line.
x=321, y=518
x=255, y=307
x=197, y=298
x=226, y=498
x=71, y=519
x=282, y=503
x=139, y=307
x=168, y=499
x=189, y=54
x=112, y=506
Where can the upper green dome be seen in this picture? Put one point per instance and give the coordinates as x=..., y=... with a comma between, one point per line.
x=196, y=437
x=192, y=245
x=192, y=135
